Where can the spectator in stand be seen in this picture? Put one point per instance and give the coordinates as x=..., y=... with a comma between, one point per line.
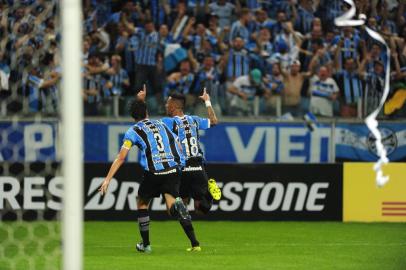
x=92, y=85
x=240, y=28
x=180, y=20
x=323, y=92
x=350, y=85
x=349, y=45
x=305, y=16
x=100, y=41
x=4, y=34
x=275, y=78
x=85, y=53
x=197, y=57
x=277, y=26
x=262, y=20
x=217, y=33
x=199, y=9
x=52, y=75
x=195, y=39
x=235, y=62
x=32, y=91
x=288, y=41
x=261, y=49
x=157, y=10
x=4, y=77
x=289, y=36
x=273, y=7
x=183, y=82
x=323, y=55
x=265, y=48
x=208, y=77
x=374, y=83
x=254, y=25
x=376, y=54
x=282, y=57
x=118, y=78
x=213, y=27
x=330, y=9
x=127, y=45
x=274, y=81
x=206, y=31
x=129, y=11
x=225, y=11
x=294, y=81
x=103, y=11
x=146, y=58
x=35, y=90
x=165, y=37
x=309, y=45
x=243, y=91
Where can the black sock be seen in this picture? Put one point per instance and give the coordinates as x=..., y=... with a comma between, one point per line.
x=208, y=197
x=190, y=232
x=143, y=224
x=205, y=205
x=173, y=211
x=186, y=225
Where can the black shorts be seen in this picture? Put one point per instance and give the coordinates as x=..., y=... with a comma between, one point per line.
x=155, y=184
x=193, y=181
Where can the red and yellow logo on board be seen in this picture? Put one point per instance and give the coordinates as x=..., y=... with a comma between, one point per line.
x=363, y=200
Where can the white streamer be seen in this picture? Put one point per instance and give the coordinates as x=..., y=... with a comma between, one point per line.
x=347, y=20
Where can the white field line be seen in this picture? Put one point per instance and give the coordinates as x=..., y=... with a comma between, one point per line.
x=265, y=245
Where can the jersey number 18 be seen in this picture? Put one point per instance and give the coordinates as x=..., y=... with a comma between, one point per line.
x=191, y=146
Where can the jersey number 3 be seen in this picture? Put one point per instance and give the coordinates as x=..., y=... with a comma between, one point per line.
x=159, y=142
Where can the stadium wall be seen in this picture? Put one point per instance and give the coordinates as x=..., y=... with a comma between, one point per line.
x=294, y=192
x=250, y=192
x=261, y=167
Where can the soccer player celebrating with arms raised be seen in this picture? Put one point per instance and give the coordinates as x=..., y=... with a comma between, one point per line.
x=161, y=158
x=194, y=180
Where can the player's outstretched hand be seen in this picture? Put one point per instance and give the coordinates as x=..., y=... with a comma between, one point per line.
x=205, y=97
x=104, y=186
x=142, y=93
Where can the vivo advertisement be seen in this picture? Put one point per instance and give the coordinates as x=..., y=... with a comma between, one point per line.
x=224, y=143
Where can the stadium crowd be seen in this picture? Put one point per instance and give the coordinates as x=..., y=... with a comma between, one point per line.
x=254, y=57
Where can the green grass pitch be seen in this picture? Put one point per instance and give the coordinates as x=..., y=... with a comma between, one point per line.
x=226, y=245
x=249, y=245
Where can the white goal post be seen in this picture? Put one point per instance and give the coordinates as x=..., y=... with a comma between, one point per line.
x=72, y=133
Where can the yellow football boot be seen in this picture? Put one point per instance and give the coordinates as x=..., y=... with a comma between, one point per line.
x=193, y=249
x=214, y=189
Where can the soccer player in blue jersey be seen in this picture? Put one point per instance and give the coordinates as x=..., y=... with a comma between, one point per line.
x=194, y=183
x=161, y=158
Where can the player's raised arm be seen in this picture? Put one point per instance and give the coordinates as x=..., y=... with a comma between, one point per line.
x=212, y=115
x=142, y=94
x=114, y=168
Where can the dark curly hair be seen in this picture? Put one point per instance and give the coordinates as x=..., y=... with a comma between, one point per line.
x=138, y=109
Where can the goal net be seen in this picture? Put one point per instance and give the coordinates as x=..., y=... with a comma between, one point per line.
x=40, y=173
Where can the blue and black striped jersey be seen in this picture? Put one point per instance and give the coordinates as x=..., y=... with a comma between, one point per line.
x=187, y=129
x=148, y=45
x=36, y=97
x=159, y=146
x=238, y=63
